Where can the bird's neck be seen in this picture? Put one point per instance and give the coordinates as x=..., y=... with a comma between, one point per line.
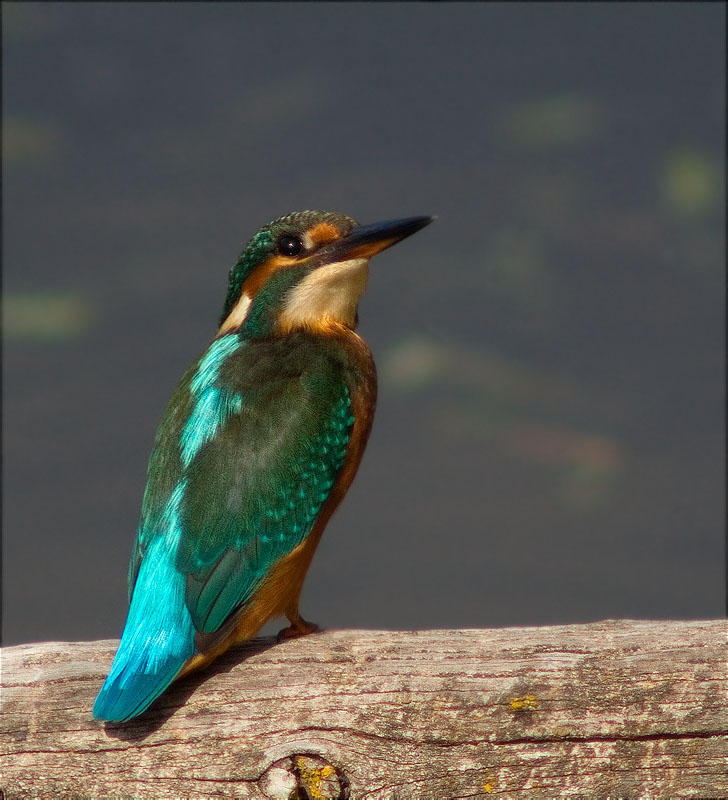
x=323, y=301
x=326, y=298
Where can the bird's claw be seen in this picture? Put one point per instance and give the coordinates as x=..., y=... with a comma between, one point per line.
x=299, y=628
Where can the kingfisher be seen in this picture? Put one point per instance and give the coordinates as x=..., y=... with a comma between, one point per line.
x=259, y=444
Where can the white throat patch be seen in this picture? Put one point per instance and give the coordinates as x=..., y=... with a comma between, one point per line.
x=331, y=292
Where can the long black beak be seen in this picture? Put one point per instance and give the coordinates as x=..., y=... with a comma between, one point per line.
x=365, y=241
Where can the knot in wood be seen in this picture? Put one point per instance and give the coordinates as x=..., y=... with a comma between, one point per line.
x=304, y=777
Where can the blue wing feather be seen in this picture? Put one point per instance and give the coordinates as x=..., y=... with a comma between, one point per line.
x=246, y=455
x=245, y=537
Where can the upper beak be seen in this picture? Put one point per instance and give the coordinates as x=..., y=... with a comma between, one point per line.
x=365, y=241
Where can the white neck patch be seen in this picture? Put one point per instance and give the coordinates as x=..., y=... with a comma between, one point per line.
x=237, y=315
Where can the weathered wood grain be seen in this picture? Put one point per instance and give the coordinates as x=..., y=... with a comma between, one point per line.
x=613, y=709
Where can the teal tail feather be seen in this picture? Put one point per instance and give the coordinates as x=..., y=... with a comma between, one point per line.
x=129, y=692
x=157, y=641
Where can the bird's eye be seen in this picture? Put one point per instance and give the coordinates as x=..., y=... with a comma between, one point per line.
x=289, y=245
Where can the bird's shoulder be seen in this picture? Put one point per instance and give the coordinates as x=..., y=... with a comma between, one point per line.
x=250, y=363
x=244, y=421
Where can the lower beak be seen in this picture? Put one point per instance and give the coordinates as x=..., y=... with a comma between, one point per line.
x=365, y=241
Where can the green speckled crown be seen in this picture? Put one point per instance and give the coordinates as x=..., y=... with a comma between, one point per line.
x=262, y=245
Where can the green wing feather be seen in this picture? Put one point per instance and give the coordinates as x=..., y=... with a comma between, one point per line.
x=256, y=435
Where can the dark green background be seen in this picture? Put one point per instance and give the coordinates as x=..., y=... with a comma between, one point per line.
x=549, y=440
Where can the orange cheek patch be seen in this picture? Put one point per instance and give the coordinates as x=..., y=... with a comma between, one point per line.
x=323, y=232
x=319, y=234
x=259, y=277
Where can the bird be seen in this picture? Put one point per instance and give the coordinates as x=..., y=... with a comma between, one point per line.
x=258, y=445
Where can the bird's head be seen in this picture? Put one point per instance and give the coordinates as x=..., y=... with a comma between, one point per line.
x=306, y=270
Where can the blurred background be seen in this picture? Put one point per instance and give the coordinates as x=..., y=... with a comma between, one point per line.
x=549, y=441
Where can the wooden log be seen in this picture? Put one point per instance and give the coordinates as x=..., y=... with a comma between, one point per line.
x=612, y=709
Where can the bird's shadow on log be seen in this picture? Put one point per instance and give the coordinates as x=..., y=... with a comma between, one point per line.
x=175, y=697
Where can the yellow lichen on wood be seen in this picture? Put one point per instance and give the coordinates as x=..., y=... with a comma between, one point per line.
x=318, y=781
x=528, y=701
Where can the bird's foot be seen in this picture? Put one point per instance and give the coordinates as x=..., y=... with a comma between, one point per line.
x=298, y=627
